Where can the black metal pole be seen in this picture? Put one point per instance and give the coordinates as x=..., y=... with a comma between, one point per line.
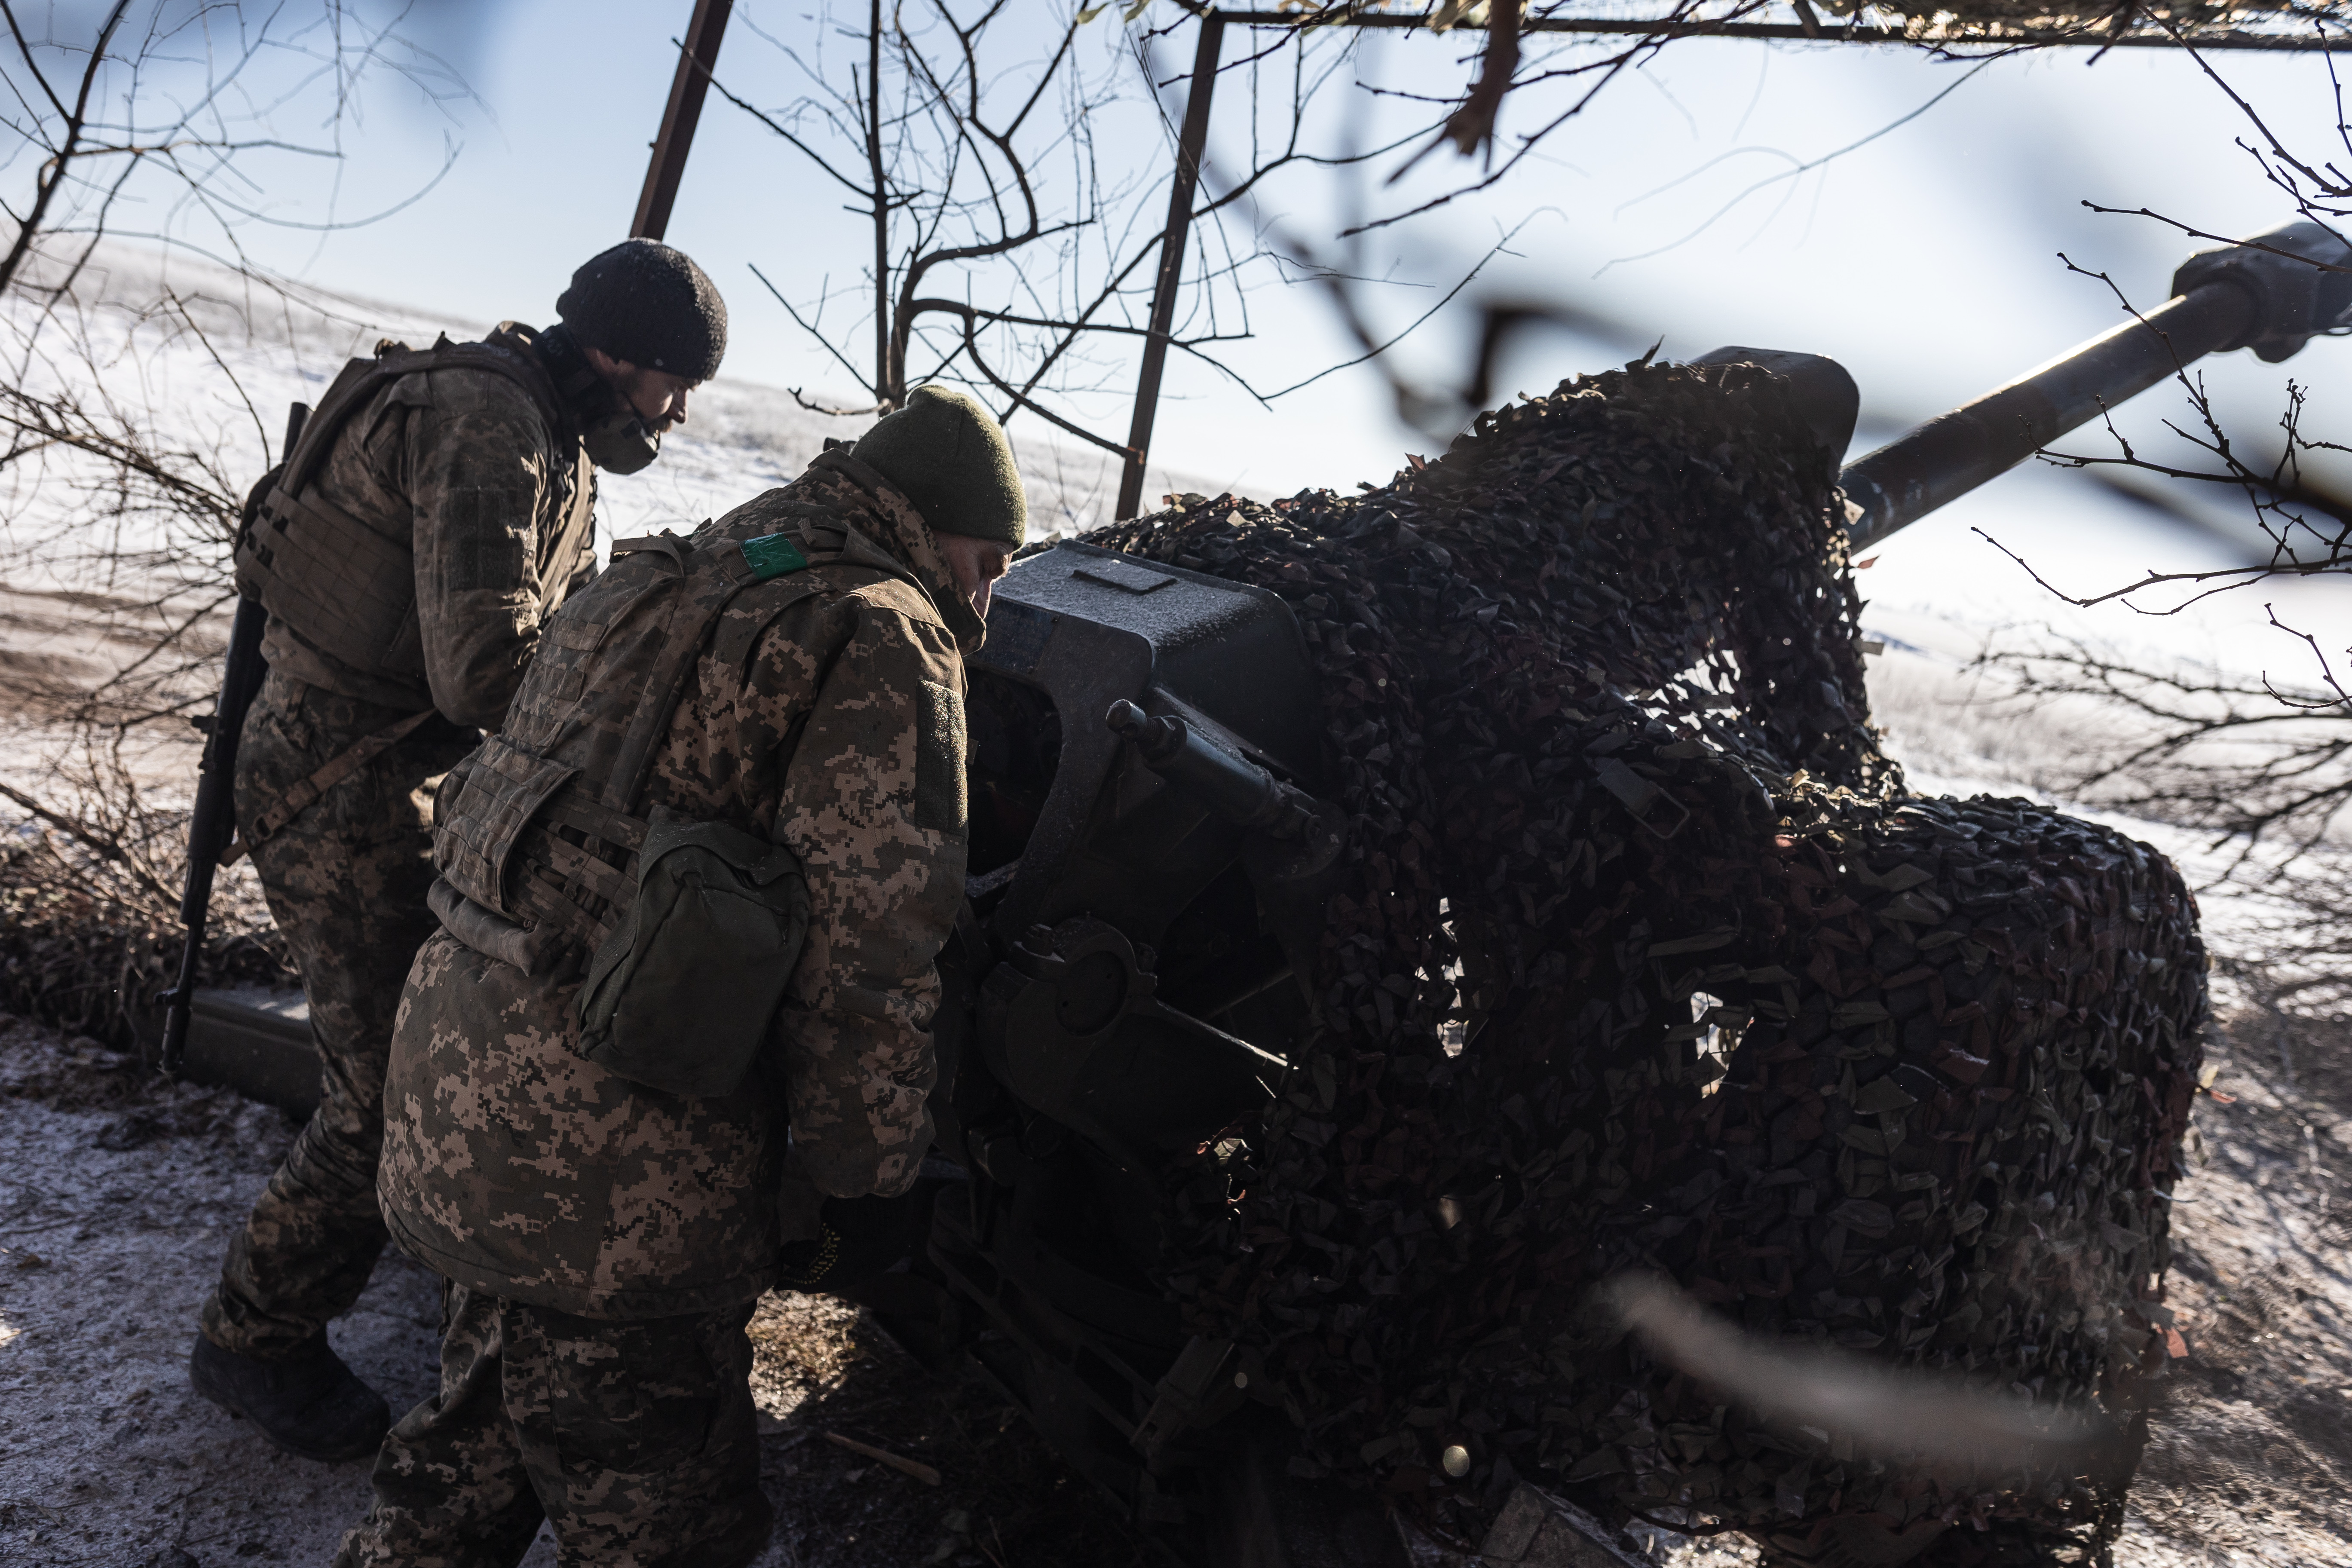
x=1190, y=143
x=695, y=61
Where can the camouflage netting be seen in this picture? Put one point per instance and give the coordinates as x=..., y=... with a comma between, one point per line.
x=1594, y=704
x=1953, y=21
x=1960, y=22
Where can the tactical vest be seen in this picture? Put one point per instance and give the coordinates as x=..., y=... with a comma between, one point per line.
x=545, y=862
x=537, y=833
x=347, y=584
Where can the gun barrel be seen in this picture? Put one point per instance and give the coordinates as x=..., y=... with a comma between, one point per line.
x=1952, y=454
x=2271, y=293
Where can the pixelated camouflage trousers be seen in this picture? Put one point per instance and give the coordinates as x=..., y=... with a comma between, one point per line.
x=346, y=882
x=636, y=1441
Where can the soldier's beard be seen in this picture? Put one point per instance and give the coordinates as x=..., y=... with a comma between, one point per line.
x=619, y=442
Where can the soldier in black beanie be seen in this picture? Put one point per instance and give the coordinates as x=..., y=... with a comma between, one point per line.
x=653, y=327
x=437, y=508
x=643, y=302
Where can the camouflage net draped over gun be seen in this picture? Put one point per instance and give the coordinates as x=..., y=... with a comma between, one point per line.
x=1953, y=24
x=1593, y=703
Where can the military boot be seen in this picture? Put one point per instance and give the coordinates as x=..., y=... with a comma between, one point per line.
x=308, y=1402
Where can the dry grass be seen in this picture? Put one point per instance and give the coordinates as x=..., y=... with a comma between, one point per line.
x=1005, y=1500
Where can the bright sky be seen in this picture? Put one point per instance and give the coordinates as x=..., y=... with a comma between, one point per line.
x=1702, y=201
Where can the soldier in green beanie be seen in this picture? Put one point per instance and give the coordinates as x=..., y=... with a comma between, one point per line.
x=603, y=1236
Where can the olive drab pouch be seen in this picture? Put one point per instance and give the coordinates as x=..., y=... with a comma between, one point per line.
x=679, y=998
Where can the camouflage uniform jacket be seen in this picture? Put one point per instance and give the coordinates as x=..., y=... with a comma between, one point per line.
x=466, y=465
x=512, y=1164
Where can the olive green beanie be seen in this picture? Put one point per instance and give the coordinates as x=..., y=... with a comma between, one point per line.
x=947, y=451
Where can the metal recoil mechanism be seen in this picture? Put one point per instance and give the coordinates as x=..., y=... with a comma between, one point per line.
x=1293, y=852
x=1241, y=792
x=2272, y=294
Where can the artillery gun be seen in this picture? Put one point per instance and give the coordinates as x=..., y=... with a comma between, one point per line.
x=1157, y=845
x=1153, y=849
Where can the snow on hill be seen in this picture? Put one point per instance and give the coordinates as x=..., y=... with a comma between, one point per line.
x=217, y=359
x=208, y=363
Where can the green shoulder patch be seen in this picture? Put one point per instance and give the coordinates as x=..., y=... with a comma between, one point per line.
x=773, y=555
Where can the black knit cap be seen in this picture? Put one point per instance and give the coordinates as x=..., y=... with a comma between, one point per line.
x=652, y=306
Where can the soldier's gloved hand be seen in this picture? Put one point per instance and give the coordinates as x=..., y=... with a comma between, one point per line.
x=858, y=1238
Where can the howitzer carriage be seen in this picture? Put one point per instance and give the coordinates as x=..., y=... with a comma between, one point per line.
x=1150, y=986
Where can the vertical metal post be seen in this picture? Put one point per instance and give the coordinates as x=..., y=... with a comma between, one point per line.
x=695, y=61
x=1190, y=143
x=886, y=388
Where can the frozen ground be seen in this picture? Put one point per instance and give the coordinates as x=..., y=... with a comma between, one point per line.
x=117, y=1196
x=117, y=1199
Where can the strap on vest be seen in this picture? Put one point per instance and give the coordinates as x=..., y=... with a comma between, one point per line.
x=682, y=641
x=664, y=544
x=554, y=876
x=555, y=870
x=302, y=796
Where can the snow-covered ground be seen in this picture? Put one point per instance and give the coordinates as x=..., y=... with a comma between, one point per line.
x=117, y=1196
x=118, y=1201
